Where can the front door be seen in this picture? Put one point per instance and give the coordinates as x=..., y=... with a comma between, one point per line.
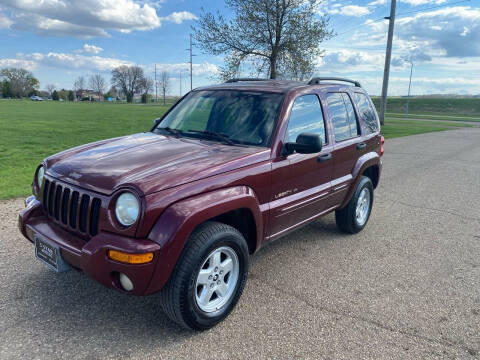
x=301, y=182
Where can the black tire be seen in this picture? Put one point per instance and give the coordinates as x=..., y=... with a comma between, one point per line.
x=346, y=218
x=178, y=297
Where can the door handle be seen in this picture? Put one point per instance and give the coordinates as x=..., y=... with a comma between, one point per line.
x=325, y=157
x=361, y=146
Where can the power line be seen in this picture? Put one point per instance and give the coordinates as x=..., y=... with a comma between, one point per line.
x=432, y=7
x=398, y=15
x=362, y=16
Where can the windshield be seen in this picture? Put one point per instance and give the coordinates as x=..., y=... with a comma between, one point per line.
x=242, y=117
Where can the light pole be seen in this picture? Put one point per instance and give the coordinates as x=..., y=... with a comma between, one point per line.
x=409, y=86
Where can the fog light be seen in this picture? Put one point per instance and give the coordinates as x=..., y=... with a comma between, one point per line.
x=126, y=283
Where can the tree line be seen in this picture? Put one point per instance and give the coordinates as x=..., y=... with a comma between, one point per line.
x=126, y=83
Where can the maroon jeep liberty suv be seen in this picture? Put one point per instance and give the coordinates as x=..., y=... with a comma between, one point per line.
x=227, y=169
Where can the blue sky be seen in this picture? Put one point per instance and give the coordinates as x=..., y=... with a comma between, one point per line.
x=58, y=40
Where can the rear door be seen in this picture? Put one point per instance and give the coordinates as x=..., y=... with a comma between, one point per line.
x=347, y=147
x=301, y=182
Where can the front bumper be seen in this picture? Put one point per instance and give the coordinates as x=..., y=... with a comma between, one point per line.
x=90, y=256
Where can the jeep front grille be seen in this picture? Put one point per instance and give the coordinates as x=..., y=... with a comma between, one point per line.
x=71, y=208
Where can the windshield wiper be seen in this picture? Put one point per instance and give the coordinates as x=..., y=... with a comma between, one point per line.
x=171, y=131
x=216, y=135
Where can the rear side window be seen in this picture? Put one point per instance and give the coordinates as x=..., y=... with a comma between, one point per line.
x=367, y=112
x=342, y=116
x=352, y=118
x=306, y=117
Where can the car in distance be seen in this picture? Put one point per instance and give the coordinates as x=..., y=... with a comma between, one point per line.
x=227, y=169
x=36, y=98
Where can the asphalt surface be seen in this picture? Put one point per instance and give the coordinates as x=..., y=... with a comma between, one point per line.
x=407, y=287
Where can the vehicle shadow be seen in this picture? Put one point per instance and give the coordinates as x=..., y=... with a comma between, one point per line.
x=73, y=310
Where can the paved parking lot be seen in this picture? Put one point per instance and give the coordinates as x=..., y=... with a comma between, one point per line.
x=408, y=287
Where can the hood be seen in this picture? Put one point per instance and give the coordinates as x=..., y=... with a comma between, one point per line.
x=148, y=162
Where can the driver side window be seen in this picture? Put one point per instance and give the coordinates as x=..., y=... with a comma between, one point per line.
x=306, y=117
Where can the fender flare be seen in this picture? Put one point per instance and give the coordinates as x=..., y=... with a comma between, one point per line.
x=364, y=162
x=178, y=221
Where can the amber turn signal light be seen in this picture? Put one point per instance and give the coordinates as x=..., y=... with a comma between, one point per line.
x=130, y=258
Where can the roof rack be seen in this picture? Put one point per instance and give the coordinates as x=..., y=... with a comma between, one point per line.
x=243, y=79
x=317, y=80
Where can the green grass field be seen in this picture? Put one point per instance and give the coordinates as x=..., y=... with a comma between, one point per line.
x=433, y=106
x=31, y=131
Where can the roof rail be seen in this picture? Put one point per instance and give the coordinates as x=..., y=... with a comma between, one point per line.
x=243, y=79
x=317, y=80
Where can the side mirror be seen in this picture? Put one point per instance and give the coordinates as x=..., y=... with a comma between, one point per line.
x=156, y=122
x=305, y=144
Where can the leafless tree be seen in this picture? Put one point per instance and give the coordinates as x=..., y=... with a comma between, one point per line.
x=281, y=37
x=129, y=80
x=79, y=86
x=164, y=83
x=50, y=88
x=98, y=84
x=147, y=85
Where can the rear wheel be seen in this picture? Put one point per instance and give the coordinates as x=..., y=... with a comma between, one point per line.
x=354, y=216
x=209, y=277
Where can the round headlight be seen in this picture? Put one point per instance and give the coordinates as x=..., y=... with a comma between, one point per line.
x=127, y=209
x=40, y=175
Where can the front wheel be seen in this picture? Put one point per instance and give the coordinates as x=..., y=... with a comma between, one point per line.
x=354, y=216
x=209, y=277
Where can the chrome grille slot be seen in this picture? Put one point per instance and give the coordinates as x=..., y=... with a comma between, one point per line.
x=65, y=203
x=51, y=190
x=58, y=194
x=83, y=216
x=73, y=210
x=94, y=215
x=45, y=194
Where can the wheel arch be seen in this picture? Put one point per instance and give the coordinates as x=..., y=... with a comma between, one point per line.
x=232, y=206
x=368, y=165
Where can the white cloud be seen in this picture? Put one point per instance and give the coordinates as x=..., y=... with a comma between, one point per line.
x=460, y=30
x=73, y=61
x=423, y=2
x=377, y=2
x=87, y=18
x=81, y=62
x=179, y=17
x=354, y=10
x=92, y=49
x=349, y=10
x=184, y=68
x=26, y=64
x=5, y=22
x=451, y=32
x=348, y=60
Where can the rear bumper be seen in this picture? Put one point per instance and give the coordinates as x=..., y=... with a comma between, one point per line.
x=91, y=257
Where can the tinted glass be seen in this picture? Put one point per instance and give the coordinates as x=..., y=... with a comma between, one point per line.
x=244, y=117
x=367, y=112
x=352, y=118
x=339, y=117
x=306, y=117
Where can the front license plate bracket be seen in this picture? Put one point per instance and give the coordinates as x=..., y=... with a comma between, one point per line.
x=49, y=253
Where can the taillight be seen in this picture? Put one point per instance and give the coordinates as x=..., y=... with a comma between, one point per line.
x=382, y=141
